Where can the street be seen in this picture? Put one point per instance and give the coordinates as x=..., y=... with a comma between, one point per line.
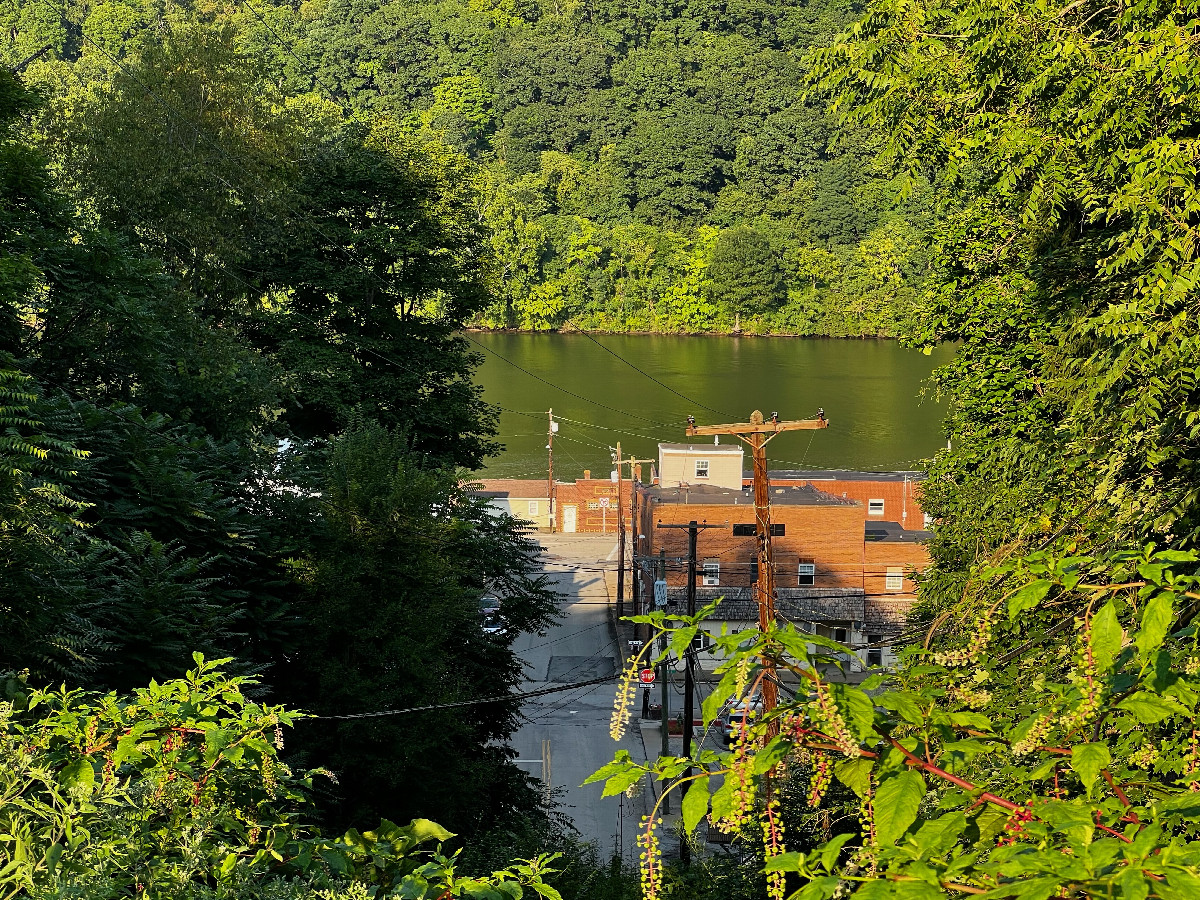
x=575, y=723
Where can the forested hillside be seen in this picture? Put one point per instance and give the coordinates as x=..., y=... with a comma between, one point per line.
x=638, y=167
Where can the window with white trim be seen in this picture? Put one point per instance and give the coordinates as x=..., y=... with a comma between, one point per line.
x=927, y=521
x=874, y=507
x=895, y=578
x=533, y=507
x=702, y=468
x=807, y=573
x=712, y=572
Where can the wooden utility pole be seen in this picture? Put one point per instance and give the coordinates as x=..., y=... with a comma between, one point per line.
x=551, y=428
x=689, y=690
x=757, y=432
x=618, y=462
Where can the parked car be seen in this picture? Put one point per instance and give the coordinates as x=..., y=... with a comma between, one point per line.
x=494, y=624
x=737, y=715
x=489, y=603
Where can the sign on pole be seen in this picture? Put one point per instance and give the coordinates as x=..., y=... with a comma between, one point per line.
x=660, y=593
x=646, y=676
x=604, y=503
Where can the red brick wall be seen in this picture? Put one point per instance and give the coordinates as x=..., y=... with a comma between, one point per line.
x=831, y=536
x=879, y=555
x=897, y=507
x=585, y=495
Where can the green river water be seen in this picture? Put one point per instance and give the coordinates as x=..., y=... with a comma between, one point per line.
x=871, y=391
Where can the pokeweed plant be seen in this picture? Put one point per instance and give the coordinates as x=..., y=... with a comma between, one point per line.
x=179, y=791
x=1051, y=750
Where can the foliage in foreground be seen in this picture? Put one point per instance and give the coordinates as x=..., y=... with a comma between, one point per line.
x=1066, y=268
x=978, y=773
x=180, y=791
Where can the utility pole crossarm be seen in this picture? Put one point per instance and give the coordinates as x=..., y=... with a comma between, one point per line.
x=752, y=427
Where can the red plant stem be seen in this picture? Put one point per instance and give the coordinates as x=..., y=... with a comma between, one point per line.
x=914, y=760
x=1116, y=789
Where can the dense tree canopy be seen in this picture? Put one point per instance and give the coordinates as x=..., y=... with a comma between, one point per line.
x=579, y=123
x=214, y=438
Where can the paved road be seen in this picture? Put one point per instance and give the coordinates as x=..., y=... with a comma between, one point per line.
x=581, y=647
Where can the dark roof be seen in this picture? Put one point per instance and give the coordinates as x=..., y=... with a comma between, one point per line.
x=794, y=604
x=521, y=488
x=843, y=475
x=893, y=532
x=797, y=495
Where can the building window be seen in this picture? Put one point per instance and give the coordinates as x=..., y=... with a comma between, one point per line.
x=874, y=654
x=754, y=570
x=533, y=507
x=928, y=520
x=874, y=507
x=838, y=634
x=702, y=468
x=807, y=573
x=712, y=572
x=746, y=529
x=895, y=578
x=701, y=641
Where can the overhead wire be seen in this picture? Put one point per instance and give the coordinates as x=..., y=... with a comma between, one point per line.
x=501, y=698
x=646, y=374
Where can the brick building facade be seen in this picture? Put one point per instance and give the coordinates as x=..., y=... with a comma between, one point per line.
x=839, y=571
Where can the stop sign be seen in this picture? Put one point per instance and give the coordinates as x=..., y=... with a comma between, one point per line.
x=646, y=676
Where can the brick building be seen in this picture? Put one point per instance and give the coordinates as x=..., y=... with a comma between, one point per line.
x=886, y=496
x=590, y=504
x=841, y=569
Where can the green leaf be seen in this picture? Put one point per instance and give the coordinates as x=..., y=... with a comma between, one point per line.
x=1075, y=820
x=1106, y=636
x=904, y=704
x=855, y=774
x=423, y=830
x=860, y=708
x=1087, y=760
x=896, y=803
x=681, y=639
x=939, y=835
x=1156, y=622
x=695, y=803
x=784, y=862
x=1134, y=884
x=722, y=800
x=619, y=764
x=1180, y=886
x=621, y=781
x=1149, y=708
x=829, y=853
x=1028, y=597
x=769, y=756
x=79, y=776
x=715, y=702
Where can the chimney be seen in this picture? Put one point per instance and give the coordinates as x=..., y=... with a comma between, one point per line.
x=587, y=474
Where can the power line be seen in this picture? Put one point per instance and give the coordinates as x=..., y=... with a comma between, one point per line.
x=463, y=703
x=661, y=384
x=557, y=387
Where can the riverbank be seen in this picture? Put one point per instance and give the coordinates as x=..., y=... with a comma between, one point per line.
x=482, y=329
